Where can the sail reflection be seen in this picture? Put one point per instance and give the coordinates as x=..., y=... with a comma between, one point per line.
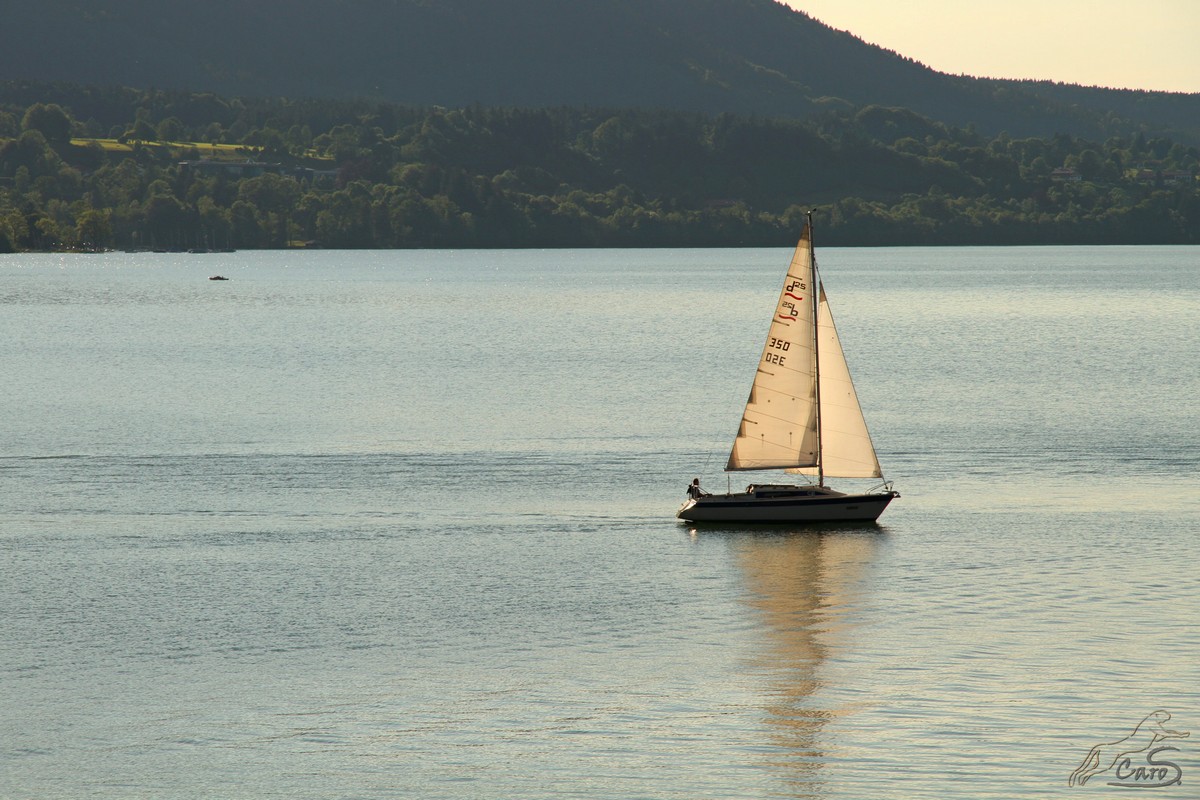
x=807, y=589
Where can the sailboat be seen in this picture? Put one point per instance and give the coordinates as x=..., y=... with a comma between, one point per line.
x=803, y=417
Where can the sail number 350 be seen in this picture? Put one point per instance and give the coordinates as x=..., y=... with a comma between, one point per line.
x=774, y=344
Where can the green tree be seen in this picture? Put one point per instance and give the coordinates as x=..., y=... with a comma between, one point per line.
x=169, y=130
x=246, y=224
x=93, y=228
x=165, y=221
x=270, y=192
x=50, y=120
x=1089, y=165
x=8, y=125
x=46, y=234
x=142, y=131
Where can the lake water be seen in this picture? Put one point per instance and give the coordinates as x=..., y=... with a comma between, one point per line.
x=400, y=524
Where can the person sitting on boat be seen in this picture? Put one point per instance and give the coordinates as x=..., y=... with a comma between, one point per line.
x=694, y=491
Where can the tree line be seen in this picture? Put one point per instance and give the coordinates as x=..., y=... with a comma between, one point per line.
x=119, y=168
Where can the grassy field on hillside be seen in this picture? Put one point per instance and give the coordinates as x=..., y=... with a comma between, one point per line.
x=220, y=152
x=215, y=152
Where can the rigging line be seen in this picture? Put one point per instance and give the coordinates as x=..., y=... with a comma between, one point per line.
x=709, y=451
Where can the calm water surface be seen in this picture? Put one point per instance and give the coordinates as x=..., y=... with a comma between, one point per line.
x=380, y=525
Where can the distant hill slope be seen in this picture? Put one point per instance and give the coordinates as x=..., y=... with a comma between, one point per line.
x=744, y=56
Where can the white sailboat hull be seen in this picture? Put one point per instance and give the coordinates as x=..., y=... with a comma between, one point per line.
x=786, y=504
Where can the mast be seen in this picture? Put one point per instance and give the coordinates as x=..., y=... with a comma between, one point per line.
x=816, y=292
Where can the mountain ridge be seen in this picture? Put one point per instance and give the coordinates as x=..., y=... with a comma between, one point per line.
x=756, y=57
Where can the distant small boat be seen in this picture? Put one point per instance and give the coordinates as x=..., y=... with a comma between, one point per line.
x=218, y=278
x=803, y=416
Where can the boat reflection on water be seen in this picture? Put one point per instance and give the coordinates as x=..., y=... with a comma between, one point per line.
x=808, y=589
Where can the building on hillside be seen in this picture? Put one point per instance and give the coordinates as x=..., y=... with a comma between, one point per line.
x=233, y=169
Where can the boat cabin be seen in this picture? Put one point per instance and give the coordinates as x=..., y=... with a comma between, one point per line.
x=789, y=490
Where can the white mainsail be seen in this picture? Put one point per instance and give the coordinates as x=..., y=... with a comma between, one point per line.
x=779, y=427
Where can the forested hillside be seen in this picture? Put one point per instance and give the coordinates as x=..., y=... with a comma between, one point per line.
x=713, y=56
x=84, y=168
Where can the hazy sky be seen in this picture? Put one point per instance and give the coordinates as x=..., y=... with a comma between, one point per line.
x=1143, y=44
